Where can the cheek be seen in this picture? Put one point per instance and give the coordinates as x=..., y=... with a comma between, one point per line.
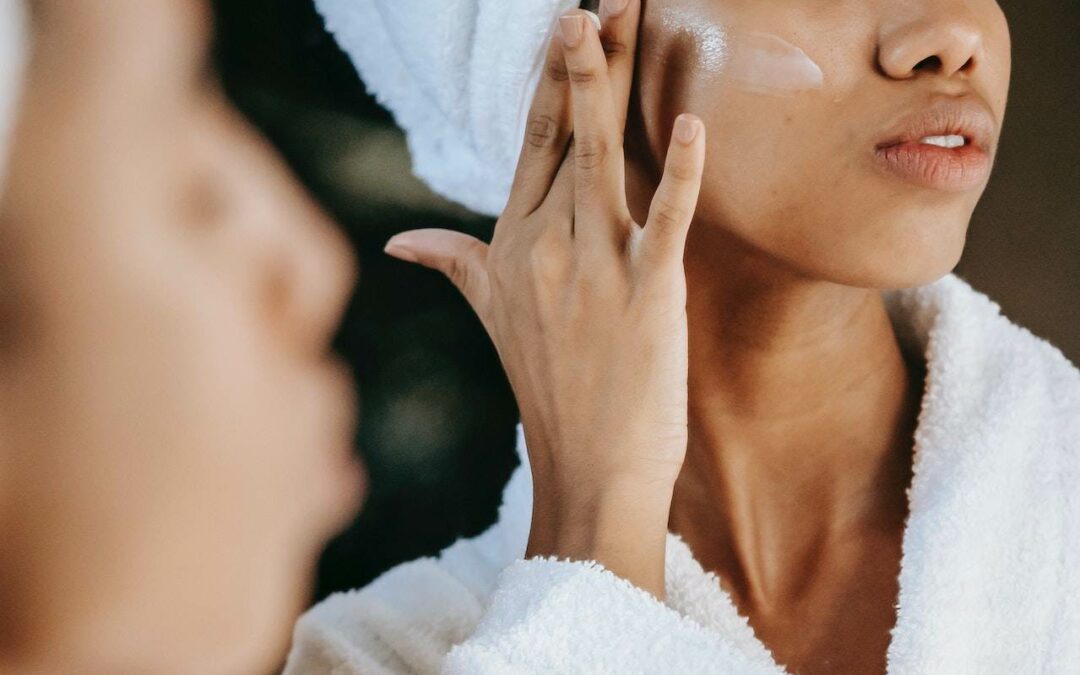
x=766, y=155
x=783, y=177
x=998, y=44
x=176, y=426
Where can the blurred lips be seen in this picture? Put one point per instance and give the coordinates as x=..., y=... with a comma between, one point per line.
x=946, y=146
x=342, y=409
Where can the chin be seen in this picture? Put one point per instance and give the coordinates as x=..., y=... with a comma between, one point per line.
x=884, y=263
x=910, y=248
x=258, y=644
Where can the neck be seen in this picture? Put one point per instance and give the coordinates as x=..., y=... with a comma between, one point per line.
x=802, y=410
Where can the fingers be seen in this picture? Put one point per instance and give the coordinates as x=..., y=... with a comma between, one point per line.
x=548, y=126
x=547, y=134
x=675, y=200
x=620, y=19
x=463, y=259
x=599, y=190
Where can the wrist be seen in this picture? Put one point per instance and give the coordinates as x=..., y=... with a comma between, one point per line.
x=622, y=526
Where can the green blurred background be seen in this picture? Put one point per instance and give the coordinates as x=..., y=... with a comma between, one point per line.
x=438, y=417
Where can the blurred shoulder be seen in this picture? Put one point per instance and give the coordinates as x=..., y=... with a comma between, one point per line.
x=403, y=622
x=408, y=619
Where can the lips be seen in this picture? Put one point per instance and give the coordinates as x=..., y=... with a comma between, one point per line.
x=946, y=146
x=338, y=420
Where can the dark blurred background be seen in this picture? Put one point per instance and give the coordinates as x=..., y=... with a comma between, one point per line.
x=438, y=416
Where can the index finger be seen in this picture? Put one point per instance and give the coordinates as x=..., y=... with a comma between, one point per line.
x=547, y=134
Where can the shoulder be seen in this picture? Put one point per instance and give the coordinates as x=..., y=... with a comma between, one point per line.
x=1002, y=405
x=1028, y=392
x=985, y=364
x=408, y=619
x=403, y=622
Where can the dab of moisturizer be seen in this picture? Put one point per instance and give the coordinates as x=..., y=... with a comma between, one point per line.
x=759, y=63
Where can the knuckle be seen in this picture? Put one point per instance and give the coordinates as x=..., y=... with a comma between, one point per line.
x=667, y=215
x=544, y=272
x=476, y=248
x=459, y=272
x=556, y=71
x=542, y=132
x=546, y=257
x=460, y=269
x=590, y=153
x=584, y=75
x=614, y=48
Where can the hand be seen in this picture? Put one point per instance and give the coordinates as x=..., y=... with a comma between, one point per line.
x=588, y=309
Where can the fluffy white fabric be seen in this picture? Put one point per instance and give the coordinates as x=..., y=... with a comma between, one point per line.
x=13, y=42
x=458, y=76
x=989, y=581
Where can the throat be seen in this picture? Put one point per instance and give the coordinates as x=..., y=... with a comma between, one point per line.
x=802, y=415
x=800, y=453
x=803, y=525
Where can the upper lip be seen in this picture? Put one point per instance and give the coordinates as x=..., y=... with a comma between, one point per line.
x=967, y=117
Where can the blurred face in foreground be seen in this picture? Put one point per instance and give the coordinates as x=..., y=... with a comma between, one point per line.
x=174, y=433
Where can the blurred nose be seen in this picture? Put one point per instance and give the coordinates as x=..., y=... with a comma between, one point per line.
x=285, y=251
x=313, y=282
x=940, y=37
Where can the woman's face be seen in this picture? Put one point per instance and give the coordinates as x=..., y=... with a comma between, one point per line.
x=826, y=121
x=174, y=434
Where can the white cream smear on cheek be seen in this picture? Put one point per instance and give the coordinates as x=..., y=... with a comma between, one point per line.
x=760, y=63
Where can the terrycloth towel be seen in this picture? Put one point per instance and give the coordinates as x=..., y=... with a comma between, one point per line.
x=989, y=581
x=458, y=76
x=13, y=45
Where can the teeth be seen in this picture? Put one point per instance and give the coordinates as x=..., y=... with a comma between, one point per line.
x=944, y=141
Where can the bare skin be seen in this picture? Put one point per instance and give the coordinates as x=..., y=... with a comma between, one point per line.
x=793, y=487
x=800, y=406
x=571, y=290
x=175, y=433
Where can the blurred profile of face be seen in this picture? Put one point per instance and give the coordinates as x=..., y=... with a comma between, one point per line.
x=175, y=436
x=825, y=171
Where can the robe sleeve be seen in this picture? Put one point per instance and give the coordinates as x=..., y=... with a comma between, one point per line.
x=549, y=616
x=404, y=623
x=544, y=616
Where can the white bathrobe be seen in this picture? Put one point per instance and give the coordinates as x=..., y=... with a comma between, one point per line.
x=14, y=42
x=989, y=581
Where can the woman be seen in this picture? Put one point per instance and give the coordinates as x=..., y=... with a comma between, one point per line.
x=175, y=435
x=855, y=482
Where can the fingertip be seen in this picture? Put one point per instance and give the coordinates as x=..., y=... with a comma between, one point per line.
x=688, y=128
x=400, y=252
x=610, y=9
x=572, y=26
x=595, y=20
x=410, y=245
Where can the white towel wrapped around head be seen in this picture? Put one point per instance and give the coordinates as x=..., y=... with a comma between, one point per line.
x=13, y=43
x=458, y=76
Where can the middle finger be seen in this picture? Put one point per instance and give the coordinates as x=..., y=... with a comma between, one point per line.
x=599, y=186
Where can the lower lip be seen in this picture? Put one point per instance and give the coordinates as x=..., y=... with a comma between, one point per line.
x=931, y=166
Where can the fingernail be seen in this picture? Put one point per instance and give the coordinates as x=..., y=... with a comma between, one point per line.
x=400, y=252
x=595, y=19
x=686, y=129
x=571, y=27
x=614, y=7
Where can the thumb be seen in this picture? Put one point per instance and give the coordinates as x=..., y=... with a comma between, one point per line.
x=462, y=258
